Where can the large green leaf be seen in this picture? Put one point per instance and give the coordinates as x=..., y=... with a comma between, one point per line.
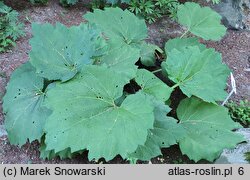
x=122, y=59
x=181, y=43
x=88, y=118
x=208, y=129
x=59, y=52
x=50, y=154
x=118, y=25
x=201, y=21
x=198, y=73
x=165, y=133
x=152, y=85
x=125, y=33
x=24, y=115
x=44, y=154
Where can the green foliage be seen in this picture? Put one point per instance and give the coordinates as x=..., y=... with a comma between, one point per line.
x=147, y=53
x=68, y=2
x=153, y=9
x=94, y=3
x=25, y=117
x=208, y=129
x=98, y=4
x=94, y=97
x=166, y=132
x=10, y=28
x=247, y=156
x=46, y=154
x=240, y=112
x=180, y=44
x=201, y=21
x=2, y=74
x=148, y=9
x=98, y=89
x=214, y=1
x=65, y=62
x=117, y=1
x=114, y=23
x=152, y=85
x=195, y=72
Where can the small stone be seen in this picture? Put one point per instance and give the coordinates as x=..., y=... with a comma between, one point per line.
x=2, y=131
x=236, y=155
x=235, y=14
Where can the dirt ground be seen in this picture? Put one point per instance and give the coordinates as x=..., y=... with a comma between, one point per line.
x=234, y=47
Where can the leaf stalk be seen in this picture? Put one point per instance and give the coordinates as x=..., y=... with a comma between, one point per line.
x=156, y=71
x=184, y=34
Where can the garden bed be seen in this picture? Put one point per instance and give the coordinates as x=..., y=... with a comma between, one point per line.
x=234, y=48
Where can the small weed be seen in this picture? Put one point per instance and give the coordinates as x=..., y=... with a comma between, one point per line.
x=178, y=161
x=151, y=10
x=240, y=112
x=10, y=28
x=247, y=156
x=2, y=74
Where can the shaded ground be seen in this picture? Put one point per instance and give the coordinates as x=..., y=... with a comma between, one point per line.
x=234, y=48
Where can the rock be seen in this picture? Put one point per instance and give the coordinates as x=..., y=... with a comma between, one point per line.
x=236, y=155
x=2, y=131
x=235, y=13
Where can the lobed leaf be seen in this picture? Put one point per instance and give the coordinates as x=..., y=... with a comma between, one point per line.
x=201, y=21
x=64, y=50
x=125, y=33
x=166, y=132
x=44, y=154
x=152, y=85
x=121, y=60
x=90, y=119
x=182, y=43
x=199, y=73
x=208, y=129
x=22, y=104
x=91, y=110
x=118, y=25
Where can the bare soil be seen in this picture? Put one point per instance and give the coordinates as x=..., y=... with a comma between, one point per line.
x=234, y=48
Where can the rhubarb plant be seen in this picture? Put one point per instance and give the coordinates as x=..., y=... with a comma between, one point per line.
x=83, y=89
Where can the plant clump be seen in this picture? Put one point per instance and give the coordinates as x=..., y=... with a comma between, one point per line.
x=72, y=94
x=10, y=28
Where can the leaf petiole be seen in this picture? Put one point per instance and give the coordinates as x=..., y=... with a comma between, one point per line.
x=174, y=86
x=185, y=33
x=156, y=71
